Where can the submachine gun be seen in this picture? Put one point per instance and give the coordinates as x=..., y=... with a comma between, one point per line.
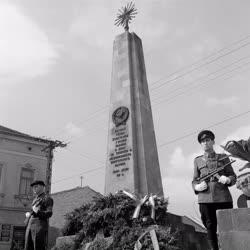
x=215, y=172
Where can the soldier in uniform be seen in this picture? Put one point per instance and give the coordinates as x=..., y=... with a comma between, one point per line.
x=213, y=194
x=38, y=219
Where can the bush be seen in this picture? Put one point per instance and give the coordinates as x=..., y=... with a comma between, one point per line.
x=112, y=215
x=99, y=243
x=64, y=246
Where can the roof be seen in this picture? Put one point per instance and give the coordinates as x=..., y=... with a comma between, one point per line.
x=76, y=189
x=68, y=200
x=198, y=227
x=8, y=131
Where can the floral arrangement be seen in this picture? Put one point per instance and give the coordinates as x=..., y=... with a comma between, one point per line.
x=133, y=223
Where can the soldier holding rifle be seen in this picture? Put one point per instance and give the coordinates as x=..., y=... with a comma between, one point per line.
x=38, y=219
x=213, y=174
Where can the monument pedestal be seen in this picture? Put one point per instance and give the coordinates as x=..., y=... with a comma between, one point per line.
x=234, y=228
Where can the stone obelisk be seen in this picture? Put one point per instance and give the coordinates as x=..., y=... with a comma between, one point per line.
x=132, y=158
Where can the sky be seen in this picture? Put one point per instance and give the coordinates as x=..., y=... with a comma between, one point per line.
x=55, y=77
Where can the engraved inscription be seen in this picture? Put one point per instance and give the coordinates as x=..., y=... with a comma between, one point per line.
x=122, y=153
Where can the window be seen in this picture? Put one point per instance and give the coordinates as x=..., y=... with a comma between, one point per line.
x=5, y=230
x=1, y=170
x=18, y=238
x=26, y=178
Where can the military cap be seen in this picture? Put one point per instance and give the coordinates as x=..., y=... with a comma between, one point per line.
x=37, y=182
x=205, y=134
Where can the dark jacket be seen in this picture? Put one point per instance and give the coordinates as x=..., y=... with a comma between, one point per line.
x=38, y=224
x=216, y=192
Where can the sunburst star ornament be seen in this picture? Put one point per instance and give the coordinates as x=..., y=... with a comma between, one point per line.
x=125, y=15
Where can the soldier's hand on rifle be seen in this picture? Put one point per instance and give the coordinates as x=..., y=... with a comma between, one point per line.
x=27, y=215
x=201, y=186
x=35, y=209
x=224, y=180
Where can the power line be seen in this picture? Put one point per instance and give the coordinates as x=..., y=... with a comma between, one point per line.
x=206, y=63
x=173, y=98
x=105, y=108
x=214, y=53
x=89, y=132
x=172, y=141
x=86, y=156
x=90, y=117
x=202, y=59
x=198, y=79
x=207, y=127
x=73, y=176
x=173, y=79
x=202, y=83
x=166, y=143
x=207, y=75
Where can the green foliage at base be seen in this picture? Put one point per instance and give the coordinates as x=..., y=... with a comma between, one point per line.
x=112, y=216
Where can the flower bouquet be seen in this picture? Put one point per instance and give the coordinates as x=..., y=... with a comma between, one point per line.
x=241, y=150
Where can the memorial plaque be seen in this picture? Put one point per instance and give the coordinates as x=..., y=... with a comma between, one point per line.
x=120, y=157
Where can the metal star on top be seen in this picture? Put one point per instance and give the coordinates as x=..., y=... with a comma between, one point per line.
x=125, y=15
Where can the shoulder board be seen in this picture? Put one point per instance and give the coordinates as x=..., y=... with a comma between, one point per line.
x=199, y=156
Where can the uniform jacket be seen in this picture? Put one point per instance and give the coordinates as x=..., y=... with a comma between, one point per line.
x=45, y=203
x=37, y=228
x=216, y=192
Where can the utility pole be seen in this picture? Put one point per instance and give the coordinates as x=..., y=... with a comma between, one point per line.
x=49, y=150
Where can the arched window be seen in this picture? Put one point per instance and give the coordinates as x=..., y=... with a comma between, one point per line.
x=1, y=176
x=26, y=178
x=1, y=170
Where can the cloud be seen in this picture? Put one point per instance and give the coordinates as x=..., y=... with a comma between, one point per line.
x=72, y=130
x=226, y=102
x=25, y=50
x=177, y=182
x=181, y=166
x=85, y=28
x=200, y=47
x=182, y=199
x=177, y=157
x=241, y=133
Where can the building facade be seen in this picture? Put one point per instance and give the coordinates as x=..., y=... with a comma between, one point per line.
x=64, y=202
x=23, y=158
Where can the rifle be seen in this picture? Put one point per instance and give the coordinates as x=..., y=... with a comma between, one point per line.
x=37, y=203
x=214, y=172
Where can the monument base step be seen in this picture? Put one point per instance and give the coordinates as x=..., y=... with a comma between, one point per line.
x=234, y=228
